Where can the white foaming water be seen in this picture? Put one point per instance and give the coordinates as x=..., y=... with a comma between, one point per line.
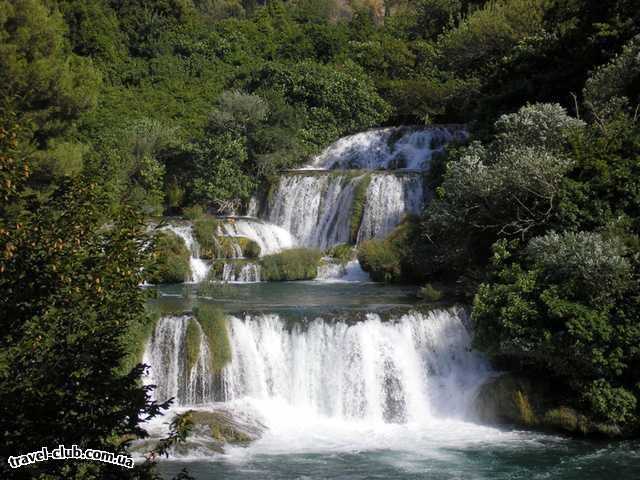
x=331, y=387
x=314, y=208
x=350, y=273
x=317, y=209
x=329, y=270
x=409, y=370
x=389, y=199
x=387, y=148
x=199, y=268
x=270, y=238
x=238, y=273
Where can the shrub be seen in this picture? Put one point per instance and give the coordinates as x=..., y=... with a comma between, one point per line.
x=342, y=253
x=205, y=230
x=193, y=213
x=294, y=264
x=430, y=293
x=171, y=259
x=382, y=262
x=586, y=262
x=608, y=403
x=250, y=248
x=214, y=327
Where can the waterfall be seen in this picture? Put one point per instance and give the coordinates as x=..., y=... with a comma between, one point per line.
x=270, y=238
x=234, y=272
x=314, y=208
x=166, y=353
x=387, y=148
x=199, y=268
x=389, y=198
x=406, y=370
x=317, y=208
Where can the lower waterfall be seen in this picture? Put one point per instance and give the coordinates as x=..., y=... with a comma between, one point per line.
x=404, y=370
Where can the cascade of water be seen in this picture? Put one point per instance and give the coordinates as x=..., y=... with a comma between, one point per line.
x=387, y=148
x=237, y=273
x=389, y=199
x=317, y=209
x=166, y=353
x=406, y=370
x=270, y=238
x=199, y=268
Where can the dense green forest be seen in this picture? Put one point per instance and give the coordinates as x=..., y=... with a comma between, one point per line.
x=115, y=111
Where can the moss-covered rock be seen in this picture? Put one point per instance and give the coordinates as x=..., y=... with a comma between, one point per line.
x=294, y=264
x=170, y=261
x=513, y=400
x=214, y=327
x=192, y=343
x=357, y=206
x=223, y=427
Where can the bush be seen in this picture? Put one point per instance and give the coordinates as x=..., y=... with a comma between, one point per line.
x=205, y=230
x=214, y=327
x=294, y=264
x=608, y=403
x=380, y=261
x=430, y=293
x=193, y=213
x=342, y=253
x=171, y=259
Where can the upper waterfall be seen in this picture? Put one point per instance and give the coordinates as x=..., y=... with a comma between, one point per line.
x=393, y=148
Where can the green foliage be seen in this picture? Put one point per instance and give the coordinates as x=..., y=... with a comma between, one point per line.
x=566, y=307
x=192, y=343
x=289, y=265
x=613, y=404
x=396, y=259
x=342, y=253
x=357, y=206
x=250, y=248
x=193, y=213
x=430, y=293
x=42, y=80
x=220, y=180
x=69, y=296
x=135, y=340
x=214, y=327
x=380, y=260
x=616, y=84
x=205, y=231
x=489, y=32
x=509, y=188
x=171, y=259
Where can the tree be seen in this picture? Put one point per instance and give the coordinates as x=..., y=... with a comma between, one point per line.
x=219, y=177
x=46, y=85
x=69, y=296
x=509, y=188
